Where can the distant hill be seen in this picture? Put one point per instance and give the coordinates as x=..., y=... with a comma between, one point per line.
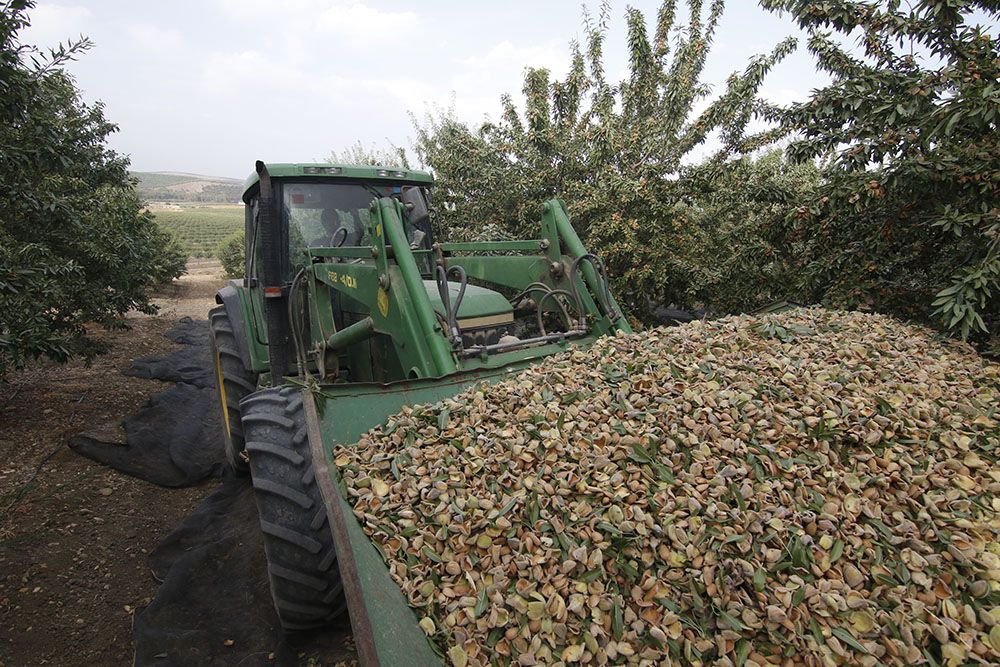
x=180, y=187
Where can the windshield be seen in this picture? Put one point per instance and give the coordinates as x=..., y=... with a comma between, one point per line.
x=331, y=214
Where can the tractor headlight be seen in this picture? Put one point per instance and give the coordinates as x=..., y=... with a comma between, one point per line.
x=321, y=170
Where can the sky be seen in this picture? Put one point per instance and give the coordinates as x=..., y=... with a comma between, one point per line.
x=210, y=86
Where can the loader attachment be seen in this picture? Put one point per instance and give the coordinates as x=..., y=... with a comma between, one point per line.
x=385, y=628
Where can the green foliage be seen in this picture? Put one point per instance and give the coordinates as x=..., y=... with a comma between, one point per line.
x=200, y=229
x=613, y=152
x=908, y=219
x=359, y=154
x=739, y=208
x=171, y=260
x=231, y=253
x=75, y=245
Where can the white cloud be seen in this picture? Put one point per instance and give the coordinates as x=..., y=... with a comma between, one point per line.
x=256, y=75
x=309, y=23
x=506, y=55
x=361, y=23
x=243, y=71
x=153, y=38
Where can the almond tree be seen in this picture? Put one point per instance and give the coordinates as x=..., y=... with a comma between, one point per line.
x=613, y=151
x=908, y=219
x=76, y=247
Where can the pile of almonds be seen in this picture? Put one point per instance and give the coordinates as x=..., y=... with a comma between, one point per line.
x=813, y=487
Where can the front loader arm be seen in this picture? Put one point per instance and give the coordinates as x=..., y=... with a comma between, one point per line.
x=393, y=292
x=384, y=278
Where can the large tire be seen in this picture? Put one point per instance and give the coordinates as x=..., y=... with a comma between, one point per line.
x=235, y=382
x=301, y=558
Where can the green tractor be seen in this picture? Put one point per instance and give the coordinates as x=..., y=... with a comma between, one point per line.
x=348, y=311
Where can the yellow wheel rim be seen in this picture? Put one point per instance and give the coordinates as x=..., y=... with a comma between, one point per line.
x=222, y=393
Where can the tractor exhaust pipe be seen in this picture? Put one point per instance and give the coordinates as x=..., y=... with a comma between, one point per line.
x=275, y=290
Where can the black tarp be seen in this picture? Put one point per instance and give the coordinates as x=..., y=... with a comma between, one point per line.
x=213, y=606
x=175, y=439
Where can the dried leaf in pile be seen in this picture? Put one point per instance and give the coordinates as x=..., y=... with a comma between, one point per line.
x=814, y=487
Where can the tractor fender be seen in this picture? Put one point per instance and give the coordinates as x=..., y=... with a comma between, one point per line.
x=229, y=298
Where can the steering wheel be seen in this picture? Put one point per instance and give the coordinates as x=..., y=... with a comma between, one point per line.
x=333, y=238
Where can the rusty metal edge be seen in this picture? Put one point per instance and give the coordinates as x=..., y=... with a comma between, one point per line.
x=364, y=638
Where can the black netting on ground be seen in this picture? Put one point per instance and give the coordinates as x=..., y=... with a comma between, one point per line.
x=190, y=364
x=175, y=439
x=214, y=603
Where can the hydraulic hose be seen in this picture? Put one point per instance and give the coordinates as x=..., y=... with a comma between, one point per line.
x=444, y=291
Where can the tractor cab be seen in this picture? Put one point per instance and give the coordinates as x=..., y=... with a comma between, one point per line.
x=322, y=208
x=335, y=214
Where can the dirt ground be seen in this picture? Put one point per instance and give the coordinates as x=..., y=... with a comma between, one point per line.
x=74, y=534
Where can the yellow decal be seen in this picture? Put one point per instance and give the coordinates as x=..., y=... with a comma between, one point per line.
x=344, y=279
x=378, y=230
x=383, y=302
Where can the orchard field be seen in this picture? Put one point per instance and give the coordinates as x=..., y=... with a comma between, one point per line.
x=200, y=229
x=842, y=509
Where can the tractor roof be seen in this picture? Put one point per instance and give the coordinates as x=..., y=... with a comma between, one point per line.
x=328, y=170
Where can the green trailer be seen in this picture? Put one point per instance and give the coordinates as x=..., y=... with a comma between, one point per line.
x=348, y=311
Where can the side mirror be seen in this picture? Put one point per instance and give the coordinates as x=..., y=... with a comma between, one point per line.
x=416, y=208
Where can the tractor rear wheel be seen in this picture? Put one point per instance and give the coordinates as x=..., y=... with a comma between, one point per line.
x=235, y=381
x=301, y=558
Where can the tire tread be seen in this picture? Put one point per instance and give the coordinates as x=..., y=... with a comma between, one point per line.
x=237, y=380
x=298, y=543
